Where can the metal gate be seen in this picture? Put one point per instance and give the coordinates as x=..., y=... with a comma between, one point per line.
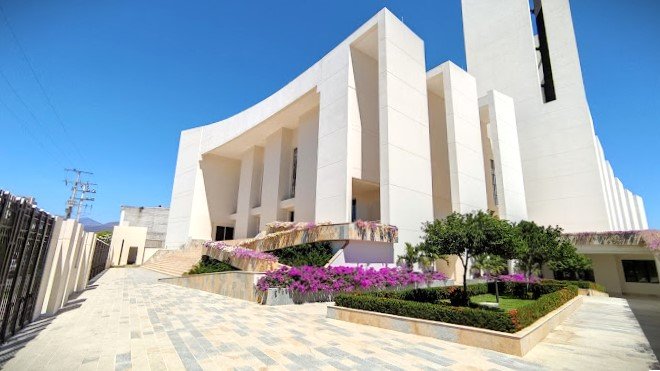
x=99, y=258
x=25, y=232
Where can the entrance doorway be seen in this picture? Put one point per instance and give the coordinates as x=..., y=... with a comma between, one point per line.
x=132, y=255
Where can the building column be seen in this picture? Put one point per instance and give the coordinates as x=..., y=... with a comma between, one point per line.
x=308, y=132
x=275, y=176
x=627, y=225
x=333, y=182
x=502, y=134
x=249, y=186
x=632, y=210
x=643, y=223
x=616, y=203
x=468, y=182
x=406, y=199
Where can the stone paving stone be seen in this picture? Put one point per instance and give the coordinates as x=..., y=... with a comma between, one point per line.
x=133, y=321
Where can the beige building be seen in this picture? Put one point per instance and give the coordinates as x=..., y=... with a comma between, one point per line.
x=140, y=233
x=623, y=262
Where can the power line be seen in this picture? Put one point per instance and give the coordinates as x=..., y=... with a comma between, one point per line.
x=76, y=201
x=25, y=127
x=36, y=78
x=34, y=117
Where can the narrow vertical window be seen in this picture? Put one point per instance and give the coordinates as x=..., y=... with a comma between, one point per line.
x=294, y=171
x=493, y=178
x=292, y=216
x=353, y=210
x=545, y=68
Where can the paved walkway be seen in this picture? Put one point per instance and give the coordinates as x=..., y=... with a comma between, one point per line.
x=647, y=312
x=129, y=320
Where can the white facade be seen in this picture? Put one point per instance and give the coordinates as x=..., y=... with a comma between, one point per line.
x=567, y=179
x=367, y=133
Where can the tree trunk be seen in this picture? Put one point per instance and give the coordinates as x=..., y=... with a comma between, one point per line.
x=465, y=266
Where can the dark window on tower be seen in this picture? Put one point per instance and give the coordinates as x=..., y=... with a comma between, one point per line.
x=493, y=178
x=547, y=82
x=643, y=271
x=354, y=210
x=293, y=172
x=224, y=233
x=292, y=216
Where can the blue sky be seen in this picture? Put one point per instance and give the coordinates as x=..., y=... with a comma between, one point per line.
x=123, y=78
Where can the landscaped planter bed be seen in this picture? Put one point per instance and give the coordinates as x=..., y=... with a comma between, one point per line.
x=518, y=343
x=427, y=312
x=283, y=296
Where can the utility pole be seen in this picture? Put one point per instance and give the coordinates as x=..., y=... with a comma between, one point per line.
x=78, y=186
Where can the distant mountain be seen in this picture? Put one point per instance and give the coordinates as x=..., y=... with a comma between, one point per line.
x=91, y=225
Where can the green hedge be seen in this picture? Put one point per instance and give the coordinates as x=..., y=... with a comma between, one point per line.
x=428, y=295
x=489, y=319
x=427, y=304
x=580, y=284
x=210, y=265
x=525, y=316
x=522, y=290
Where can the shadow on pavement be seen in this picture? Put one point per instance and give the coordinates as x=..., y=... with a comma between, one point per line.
x=647, y=312
x=32, y=330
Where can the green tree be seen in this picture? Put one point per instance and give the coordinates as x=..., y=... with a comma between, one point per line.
x=414, y=254
x=545, y=245
x=566, y=259
x=411, y=255
x=493, y=265
x=104, y=236
x=467, y=236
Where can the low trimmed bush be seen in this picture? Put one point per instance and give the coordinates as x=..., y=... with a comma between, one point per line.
x=314, y=254
x=525, y=316
x=210, y=265
x=428, y=295
x=587, y=285
x=522, y=290
x=483, y=318
x=429, y=304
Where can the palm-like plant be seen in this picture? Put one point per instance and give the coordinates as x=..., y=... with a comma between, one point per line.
x=411, y=256
x=414, y=254
x=492, y=265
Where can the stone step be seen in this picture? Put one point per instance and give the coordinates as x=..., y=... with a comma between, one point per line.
x=174, y=262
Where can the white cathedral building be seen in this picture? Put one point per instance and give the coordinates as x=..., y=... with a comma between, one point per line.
x=369, y=132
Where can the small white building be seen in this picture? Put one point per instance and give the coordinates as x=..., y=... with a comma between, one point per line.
x=369, y=132
x=140, y=233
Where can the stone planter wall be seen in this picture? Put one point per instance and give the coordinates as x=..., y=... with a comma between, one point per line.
x=517, y=344
x=282, y=296
x=235, y=284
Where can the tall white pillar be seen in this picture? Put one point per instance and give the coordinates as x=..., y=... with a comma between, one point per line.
x=274, y=178
x=404, y=146
x=249, y=185
x=502, y=135
x=333, y=182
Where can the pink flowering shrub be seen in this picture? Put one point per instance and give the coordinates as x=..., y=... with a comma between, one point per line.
x=649, y=238
x=331, y=280
x=517, y=278
x=240, y=252
x=372, y=228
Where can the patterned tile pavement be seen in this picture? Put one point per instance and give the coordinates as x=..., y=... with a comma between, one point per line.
x=129, y=320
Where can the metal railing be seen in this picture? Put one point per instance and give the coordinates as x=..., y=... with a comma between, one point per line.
x=99, y=258
x=25, y=232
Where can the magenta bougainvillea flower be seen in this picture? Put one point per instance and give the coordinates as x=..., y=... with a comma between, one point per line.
x=240, y=252
x=330, y=280
x=517, y=278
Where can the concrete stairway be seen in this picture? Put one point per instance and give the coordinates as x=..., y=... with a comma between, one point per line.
x=174, y=262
